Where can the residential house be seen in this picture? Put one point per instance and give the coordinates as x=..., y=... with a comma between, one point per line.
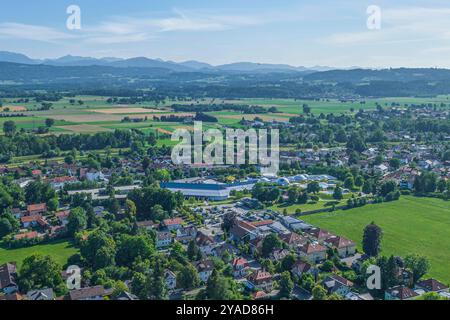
x=8, y=275
x=59, y=182
x=205, y=269
x=293, y=239
x=186, y=234
x=147, y=225
x=28, y=235
x=30, y=221
x=301, y=267
x=170, y=279
x=95, y=176
x=239, y=267
x=163, y=239
x=337, y=284
x=260, y=280
x=36, y=209
x=88, y=293
x=432, y=285
x=172, y=224
x=205, y=243
x=63, y=217
x=400, y=293
x=313, y=252
x=319, y=234
x=279, y=254
x=242, y=230
x=343, y=246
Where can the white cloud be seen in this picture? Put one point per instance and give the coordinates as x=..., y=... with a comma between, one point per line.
x=32, y=32
x=409, y=24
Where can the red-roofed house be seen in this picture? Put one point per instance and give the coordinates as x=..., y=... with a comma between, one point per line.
x=260, y=280
x=432, y=285
x=239, y=267
x=300, y=267
x=30, y=221
x=63, y=216
x=320, y=234
x=28, y=235
x=344, y=247
x=173, y=224
x=313, y=252
x=35, y=209
x=400, y=293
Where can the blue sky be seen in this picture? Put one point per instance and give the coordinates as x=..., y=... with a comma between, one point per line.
x=413, y=33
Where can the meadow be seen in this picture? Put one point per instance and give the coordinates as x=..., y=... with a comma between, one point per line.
x=59, y=250
x=410, y=226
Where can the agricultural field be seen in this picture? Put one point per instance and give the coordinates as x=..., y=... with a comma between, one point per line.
x=94, y=114
x=59, y=250
x=410, y=226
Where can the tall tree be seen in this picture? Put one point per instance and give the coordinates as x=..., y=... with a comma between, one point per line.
x=372, y=240
x=286, y=285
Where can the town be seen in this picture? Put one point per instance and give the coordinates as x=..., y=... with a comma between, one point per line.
x=141, y=227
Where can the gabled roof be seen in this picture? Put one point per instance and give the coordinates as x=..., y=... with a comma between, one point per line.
x=320, y=234
x=173, y=222
x=87, y=293
x=309, y=248
x=37, y=207
x=293, y=238
x=205, y=265
x=402, y=292
x=239, y=262
x=432, y=285
x=339, y=242
x=259, y=276
x=301, y=266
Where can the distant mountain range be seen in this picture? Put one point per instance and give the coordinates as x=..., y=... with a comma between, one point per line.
x=143, y=62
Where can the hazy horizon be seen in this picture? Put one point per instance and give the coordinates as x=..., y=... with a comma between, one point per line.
x=413, y=33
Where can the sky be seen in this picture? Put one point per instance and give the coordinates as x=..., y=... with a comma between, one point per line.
x=334, y=33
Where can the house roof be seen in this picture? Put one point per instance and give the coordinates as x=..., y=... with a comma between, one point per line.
x=432, y=285
x=239, y=262
x=301, y=266
x=27, y=235
x=30, y=218
x=402, y=292
x=205, y=265
x=86, y=293
x=312, y=248
x=37, y=207
x=293, y=238
x=261, y=223
x=339, y=242
x=63, y=214
x=260, y=276
x=173, y=222
x=320, y=234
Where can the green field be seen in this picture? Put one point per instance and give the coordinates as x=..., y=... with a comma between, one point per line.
x=410, y=225
x=59, y=250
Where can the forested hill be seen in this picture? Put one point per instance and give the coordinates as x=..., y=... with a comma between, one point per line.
x=224, y=84
x=366, y=75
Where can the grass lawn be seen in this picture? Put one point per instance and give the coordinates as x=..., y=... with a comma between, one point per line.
x=59, y=250
x=410, y=225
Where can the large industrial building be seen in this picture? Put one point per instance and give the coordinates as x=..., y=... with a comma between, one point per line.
x=207, y=189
